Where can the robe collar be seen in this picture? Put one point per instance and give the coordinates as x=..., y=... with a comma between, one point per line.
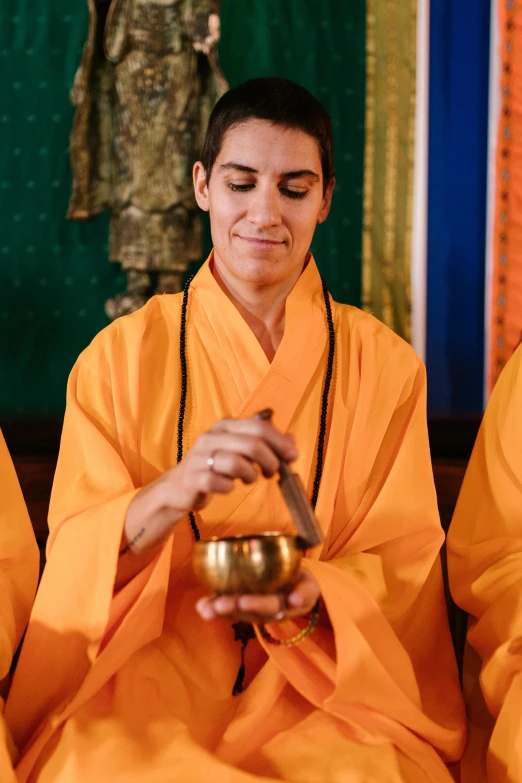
x=256, y=383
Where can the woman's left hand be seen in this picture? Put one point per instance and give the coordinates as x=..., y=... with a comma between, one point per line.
x=263, y=608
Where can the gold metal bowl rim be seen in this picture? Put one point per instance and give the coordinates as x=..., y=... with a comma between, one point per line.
x=249, y=537
x=296, y=540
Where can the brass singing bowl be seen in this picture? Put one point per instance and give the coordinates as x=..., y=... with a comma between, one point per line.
x=259, y=564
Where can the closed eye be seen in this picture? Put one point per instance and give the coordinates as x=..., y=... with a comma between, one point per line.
x=296, y=194
x=241, y=188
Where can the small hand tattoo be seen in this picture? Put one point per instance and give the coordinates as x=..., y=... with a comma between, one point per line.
x=130, y=544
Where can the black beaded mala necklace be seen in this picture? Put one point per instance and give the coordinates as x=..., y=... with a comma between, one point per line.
x=243, y=632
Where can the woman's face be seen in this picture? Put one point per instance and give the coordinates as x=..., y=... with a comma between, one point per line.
x=265, y=198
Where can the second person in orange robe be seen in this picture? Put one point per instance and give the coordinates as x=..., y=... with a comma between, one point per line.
x=485, y=567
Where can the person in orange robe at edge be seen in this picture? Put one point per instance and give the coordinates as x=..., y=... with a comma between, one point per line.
x=485, y=568
x=128, y=668
x=19, y=568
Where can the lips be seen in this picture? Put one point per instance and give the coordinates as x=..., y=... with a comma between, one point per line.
x=261, y=242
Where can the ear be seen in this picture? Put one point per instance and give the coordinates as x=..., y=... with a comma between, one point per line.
x=200, y=186
x=327, y=202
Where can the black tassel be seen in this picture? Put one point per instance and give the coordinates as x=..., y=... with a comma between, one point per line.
x=243, y=632
x=238, y=685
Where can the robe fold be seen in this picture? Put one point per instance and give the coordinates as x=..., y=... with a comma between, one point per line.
x=19, y=561
x=485, y=568
x=133, y=685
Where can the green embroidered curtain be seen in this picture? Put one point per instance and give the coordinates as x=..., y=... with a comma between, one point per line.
x=55, y=275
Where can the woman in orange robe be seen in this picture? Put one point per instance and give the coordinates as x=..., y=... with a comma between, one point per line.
x=18, y=579
x=127, y=669
x=485, y=566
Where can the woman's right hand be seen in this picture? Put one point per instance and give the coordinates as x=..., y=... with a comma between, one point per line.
x=229, y=450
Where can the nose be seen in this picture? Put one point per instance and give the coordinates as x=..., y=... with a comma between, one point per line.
x=264, y=207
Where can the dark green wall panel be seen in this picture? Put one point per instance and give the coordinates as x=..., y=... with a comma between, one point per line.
x=54, y=274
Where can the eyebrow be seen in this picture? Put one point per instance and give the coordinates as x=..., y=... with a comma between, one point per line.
x=287, y=174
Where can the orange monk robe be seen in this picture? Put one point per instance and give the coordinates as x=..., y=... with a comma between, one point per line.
x=485, y=562
x=18, y=579
x=135, y=686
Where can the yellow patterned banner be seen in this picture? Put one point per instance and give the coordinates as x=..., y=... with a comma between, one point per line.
x=391, y=29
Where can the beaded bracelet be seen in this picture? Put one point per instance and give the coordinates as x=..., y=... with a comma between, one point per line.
x=310, y=628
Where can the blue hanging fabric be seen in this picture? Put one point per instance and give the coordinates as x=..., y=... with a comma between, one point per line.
x=457, y=196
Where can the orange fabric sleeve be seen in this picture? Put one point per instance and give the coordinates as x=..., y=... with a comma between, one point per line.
x=19, y=566
x=92, y=489
x=485, y=564
x=19, y=562
x=390, y=651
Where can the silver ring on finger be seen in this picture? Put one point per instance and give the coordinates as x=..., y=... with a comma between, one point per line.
x=210, y=464
x=280, y=615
